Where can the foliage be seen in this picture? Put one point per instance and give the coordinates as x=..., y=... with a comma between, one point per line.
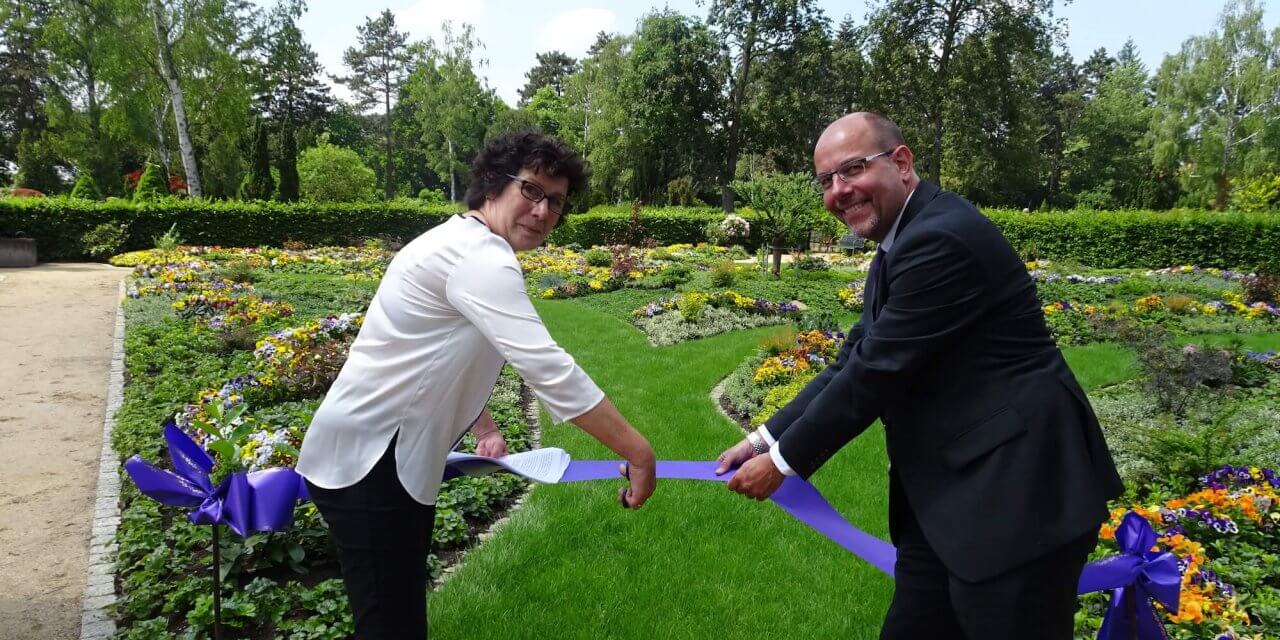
x=258, y=183
x=785, y=208
x=329, y=173
x=152, y=185
x=378, y=68
x=290, y=188
x=104, y=240
x=86, y=188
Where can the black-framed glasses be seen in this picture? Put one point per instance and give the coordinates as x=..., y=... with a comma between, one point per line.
x=535, y=194
x=851, y=169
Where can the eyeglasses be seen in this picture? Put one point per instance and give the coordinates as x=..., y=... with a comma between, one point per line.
x=535, y=194
x=848, y=171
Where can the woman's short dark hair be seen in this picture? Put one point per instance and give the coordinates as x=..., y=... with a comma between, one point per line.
x=508, y=153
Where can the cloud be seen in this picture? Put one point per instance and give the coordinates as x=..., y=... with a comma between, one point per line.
x=422, y=19
x=575, y=30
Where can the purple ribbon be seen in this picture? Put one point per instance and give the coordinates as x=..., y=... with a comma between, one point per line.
x=1135, y=577
x=246, y=502
x=796, y=496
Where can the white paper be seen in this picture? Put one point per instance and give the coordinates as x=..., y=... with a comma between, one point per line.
x=543, y=465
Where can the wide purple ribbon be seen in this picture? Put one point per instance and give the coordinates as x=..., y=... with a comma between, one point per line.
x=1135, y=576
x=796, y=496
x=245, y=501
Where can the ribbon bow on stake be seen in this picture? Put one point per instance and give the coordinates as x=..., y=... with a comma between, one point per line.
x=246, y=501
x=1135, y=576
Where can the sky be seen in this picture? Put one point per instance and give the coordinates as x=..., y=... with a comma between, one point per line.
x=512, y=31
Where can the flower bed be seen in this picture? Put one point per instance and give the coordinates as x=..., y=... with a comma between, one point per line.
x=250, y=405
x=703, y=314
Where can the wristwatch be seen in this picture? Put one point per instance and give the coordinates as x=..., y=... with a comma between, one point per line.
x=758, y=445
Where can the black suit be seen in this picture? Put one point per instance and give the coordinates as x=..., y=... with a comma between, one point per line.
x=996, y=457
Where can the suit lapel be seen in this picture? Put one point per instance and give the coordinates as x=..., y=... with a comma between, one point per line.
x=877, y=276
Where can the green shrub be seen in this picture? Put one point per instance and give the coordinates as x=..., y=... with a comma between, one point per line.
x=809, y=262
x=329, y=173
x=723, y=273
x=86, y=187
x=152, y=185
x=169, y=240
x=105, y=240
x=598, y=258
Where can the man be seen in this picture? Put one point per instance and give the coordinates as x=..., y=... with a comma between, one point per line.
x=999, y=474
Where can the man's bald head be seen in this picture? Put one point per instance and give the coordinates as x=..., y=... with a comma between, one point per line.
x=883, y=131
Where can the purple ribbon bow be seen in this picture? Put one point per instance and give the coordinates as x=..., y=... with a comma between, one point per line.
x=245, y=501
x=1135, y=577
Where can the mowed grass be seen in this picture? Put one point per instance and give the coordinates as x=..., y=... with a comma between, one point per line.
x=697, y=561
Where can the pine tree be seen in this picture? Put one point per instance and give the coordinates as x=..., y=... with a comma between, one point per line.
x=86, y=187
x=152, y=185
x=288, y=166
x=259, y=185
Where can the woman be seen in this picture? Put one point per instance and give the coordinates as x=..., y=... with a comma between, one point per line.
x=450, y=310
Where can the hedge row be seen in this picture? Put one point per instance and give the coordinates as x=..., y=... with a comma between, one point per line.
x=58, y=224
x=1150, y=239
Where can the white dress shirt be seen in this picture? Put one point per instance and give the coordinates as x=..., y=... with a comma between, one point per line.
x=774, y=452
x=450, y=309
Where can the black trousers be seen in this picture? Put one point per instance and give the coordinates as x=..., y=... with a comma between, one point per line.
x=383, y=538
x=1036, y=600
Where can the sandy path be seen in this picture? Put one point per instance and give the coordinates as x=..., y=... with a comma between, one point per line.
x=56, y=327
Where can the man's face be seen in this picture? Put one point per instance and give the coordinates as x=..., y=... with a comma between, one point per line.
x=869, y=201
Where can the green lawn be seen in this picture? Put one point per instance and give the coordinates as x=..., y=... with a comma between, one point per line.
x=697, y=561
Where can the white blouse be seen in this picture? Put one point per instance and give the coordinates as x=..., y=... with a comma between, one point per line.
x=450, y=309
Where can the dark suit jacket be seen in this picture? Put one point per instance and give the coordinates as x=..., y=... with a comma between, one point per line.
x=992, y=443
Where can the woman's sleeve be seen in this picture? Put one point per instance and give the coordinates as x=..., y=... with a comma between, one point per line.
x=489, y=291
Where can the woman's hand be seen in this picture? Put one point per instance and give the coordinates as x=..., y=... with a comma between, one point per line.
x=734, y=456
x=491, y=445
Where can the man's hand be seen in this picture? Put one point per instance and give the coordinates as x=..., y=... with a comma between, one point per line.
x=757, y=479
x=734, y=456
x=491, y=445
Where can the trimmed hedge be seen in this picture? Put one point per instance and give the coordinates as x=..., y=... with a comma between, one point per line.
x=1104, y=239
x=58, y=224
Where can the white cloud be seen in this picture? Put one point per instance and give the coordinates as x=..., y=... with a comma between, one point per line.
x=423, y=19
x=575, y=30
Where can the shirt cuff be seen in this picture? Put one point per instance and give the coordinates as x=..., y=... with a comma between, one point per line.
x=764, y=433
x=778, y=462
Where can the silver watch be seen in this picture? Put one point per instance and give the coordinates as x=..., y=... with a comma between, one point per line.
x=758, y=445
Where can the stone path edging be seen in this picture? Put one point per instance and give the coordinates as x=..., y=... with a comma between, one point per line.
x=100, y=589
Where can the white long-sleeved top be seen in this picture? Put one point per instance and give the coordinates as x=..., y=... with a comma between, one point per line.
x=450, y=309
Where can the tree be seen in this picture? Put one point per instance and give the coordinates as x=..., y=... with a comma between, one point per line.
x=670, y=92
x=258, y=184
x=550, y=71
x=454, y=109
x=289, y=189
x=328, y=173
x=747, y=29
x=786, y=205
x=290, y=90
x=24, y=67
x=82, y=40
x=152, y=185
x=165, y=37
x=1217, y=106
x=913, y=54
x=37, y=164
x=86, y=187
x=377, y=71
x=598, y=115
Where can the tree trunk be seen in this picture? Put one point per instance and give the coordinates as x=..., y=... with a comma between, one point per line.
x=453, y=183
x=390, y=187
x=955, y=12
x=162, y=140
x=735, y=112
x=175, y=97
x=777, y=255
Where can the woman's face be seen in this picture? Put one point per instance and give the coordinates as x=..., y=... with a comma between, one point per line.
x=525, y=224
